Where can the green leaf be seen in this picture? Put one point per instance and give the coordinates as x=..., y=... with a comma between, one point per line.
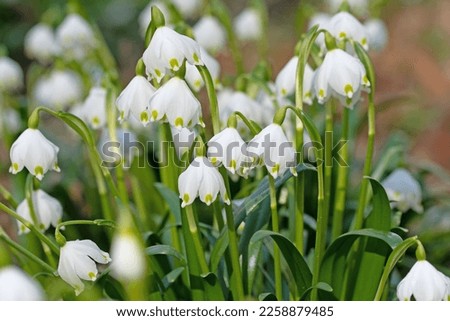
x=380, y=217
x=218, y=251
x=297, y=264
x=165, y=250
x=171, y=277
x=267, y=297
x=320, y=286
x=172, y=200
x=213, y=290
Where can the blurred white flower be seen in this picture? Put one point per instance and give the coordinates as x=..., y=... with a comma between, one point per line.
x=146, y=15
x=342, y=76
x=77, y=261
x=75, y=36
x=193, y=77
x=228, y=148
x=40, y=44
x=134, y=99
x=424, y=283
x=10, y=121
x=344, y=26
x=48, y=211
x=232, y=101
x=177, y=103
x=167, y=51
x=94, y=108
x=11, y=75
x=210, y=34
x=128, y=257
x=188, y=8
x=58, y=90
x=403, y=191
x=183, y=138
x=35, y=152
x=248, y=25
x=276, y=151
x=359, y=7
x=16, y=285
x=201, y=179
x=321, y=19
x=377, y=33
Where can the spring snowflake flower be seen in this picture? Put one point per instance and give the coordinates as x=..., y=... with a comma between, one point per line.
x=248, y=25
x=59, y=90
x=342, y=76
x=40, y=44
x=233, y=101
x=344, y=26
x=134, y=99
x=94, y=108
x=403, y=191
x=10, y=121
x=177, y=103
x=15, y=285
x=360, y=7
x=276, y=151
x=77, y=261
x=285, y=81
x=210, y=34
x=321, y=19
x=188, y=8
x=35, y=152
x=377, y=33
x=146, y=15
x=424, y=283
x=193, y=77
x=201, y=179
x=228, y=148
x=167, y=51
x=75, y=36
x=11, y=75
x=48, y=211
x=182, y=138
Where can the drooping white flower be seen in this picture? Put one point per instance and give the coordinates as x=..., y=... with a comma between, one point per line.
x=75, y=36
x=424, y=283
x=276, y=151
x=94, y=108
x=377, y=33
x=285, y=81
x=11, y=78
x=344, y=26
x=10, y=121
x=176, y=101
x=146, y=15
x=48, y=211
x=182, y=138
x=40, y=43
x=321, y=19
x=201, y=179
x=210, y=34
x=227, y=147
x=248, y=25
x=342, y=76
x=134, y=99
x=232, y=101
x=403, y=191
x=58, y=90
x=128, y=257
x=188, y=8
x=16, y=285
x=193, y=77
x=35, y=152
x=167, y=51
x=359, y=7
x=77, y=261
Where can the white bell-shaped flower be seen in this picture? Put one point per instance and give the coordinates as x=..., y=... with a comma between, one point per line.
x=134, y=99
x=188, y=8
x=145, y=16
x=377, y=33
x=276, y=151
x=77, y=261
x=228, y=148
x=201, y=179
x=210, y=34
x=75, y=36
x=342, y=76
x=193, y=77
x=128, y=257
x=232, y=101
x=182, y=138
x=167, y=51
x=359, y=7
x=40, y=43
x=59, y=90
x=16, y=285
x=285, y=81
x=35, y=152
x=48, y=211
x=424, y=283
x=248, y=25
x=177, y=103
x=321, y=19
x=11, y=75
x=94, y=108
x=344, y=26
x=403, y=190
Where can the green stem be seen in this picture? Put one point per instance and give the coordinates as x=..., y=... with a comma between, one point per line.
x=342, y=179
x=217, y=209
x=8, y=196
x=328, y=158
x=212, y=97
x=195, y=233
x=276, y=229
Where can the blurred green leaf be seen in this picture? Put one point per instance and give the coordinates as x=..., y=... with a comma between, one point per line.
x=163, y=249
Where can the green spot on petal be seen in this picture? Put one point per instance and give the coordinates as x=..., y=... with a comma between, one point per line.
x=275, y=169
x=283, y=91
x=186, y=198
x=342, y=34
x=197, y=83
x=15, y=167
x=364, y=41
x=92, y=276
x=144, y=117
x=214, y=160
x=348, y=90
x=233, y=164
x=195, y=57
x=179, y=122
x=366, y=80
x=208, y=199
x=158, y=73
x=38, y=171
x=95, y=121
x=321, y=93
x=174, y=64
